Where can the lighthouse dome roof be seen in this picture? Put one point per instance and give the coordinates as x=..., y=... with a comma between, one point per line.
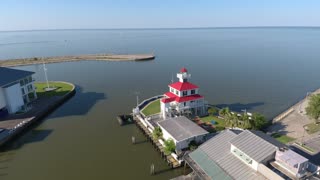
x=183, y=70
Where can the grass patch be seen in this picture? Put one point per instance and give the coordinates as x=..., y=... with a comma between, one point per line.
x=282, y=138
x=220, y=123
x=152, y=108
x=312, y=128
x=62, y=89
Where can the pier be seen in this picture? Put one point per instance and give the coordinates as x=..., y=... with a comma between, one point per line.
x=86, y=57
x=171, y=161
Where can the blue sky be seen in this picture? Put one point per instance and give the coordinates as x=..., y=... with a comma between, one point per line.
x=81, y=14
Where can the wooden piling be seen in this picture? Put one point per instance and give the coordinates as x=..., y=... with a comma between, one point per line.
x=152, y=169
x=133, y=140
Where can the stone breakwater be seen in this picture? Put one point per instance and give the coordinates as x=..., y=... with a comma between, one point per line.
x=88, y=57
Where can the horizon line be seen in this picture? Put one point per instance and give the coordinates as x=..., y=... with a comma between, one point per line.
x=148, y=28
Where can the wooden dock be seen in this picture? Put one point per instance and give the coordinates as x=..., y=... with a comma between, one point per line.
x=171, y=161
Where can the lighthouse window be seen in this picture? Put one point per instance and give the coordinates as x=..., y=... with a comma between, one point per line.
x=193, y=91
x=185, y=93
x=184, y=104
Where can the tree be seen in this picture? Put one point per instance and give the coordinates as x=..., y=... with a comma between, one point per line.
x=213, y=110
x=157, y=133
x=313, y=109
x=224, y=111
x=169, y=146
x=245, y=121
x=234, y=120
x=257, y=121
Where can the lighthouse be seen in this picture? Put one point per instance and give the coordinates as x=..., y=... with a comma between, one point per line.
x=183, y=98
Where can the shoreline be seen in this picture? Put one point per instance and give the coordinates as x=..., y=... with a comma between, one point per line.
x=86, y=57
x=27, y=120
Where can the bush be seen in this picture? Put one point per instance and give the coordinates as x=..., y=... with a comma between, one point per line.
x=169, y=147
x=157, y=133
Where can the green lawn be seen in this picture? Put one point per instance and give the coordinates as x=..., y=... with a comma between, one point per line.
x=220, y=123
x=152, y=108
x=282, y=138
x=62, y=89
x=312, y=128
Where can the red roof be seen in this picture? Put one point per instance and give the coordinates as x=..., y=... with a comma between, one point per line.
x=173, y=97
x=181, y=86
x=183, y=70
x=167, y=100
x=170, y=95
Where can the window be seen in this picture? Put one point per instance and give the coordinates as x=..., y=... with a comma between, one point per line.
x=193, y=91
x=184, y=104
x=177, y=92
x=295, y=166
x=29, y=87
x=30, y=79
x=22, y=90
x=25, y=81
x=21, y=82
x=185, y=93
x=171, y=90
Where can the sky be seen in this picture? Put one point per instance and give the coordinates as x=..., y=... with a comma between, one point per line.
x=109, y=14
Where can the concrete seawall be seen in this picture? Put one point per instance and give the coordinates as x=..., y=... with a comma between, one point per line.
x=88, y=57
x=293, y=107
x=7, y=137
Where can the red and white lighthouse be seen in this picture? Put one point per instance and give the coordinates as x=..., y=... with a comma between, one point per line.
x=182, y=98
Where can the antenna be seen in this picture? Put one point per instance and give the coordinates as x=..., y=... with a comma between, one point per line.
x=45, y=73
x=171, y=77
x=137, y=94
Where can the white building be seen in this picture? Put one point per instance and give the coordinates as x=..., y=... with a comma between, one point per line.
x=236, y=154
x=182, y=131
x=16, y=90
x=182, y=97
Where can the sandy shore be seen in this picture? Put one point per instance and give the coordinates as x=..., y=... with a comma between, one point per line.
x=57, y=59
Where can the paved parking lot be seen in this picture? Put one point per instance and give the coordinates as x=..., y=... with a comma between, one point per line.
x=313, y=143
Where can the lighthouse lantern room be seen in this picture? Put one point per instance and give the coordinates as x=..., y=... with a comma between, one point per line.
x=182, y=98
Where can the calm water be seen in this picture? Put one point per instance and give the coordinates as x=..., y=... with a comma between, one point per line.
x=258, y=69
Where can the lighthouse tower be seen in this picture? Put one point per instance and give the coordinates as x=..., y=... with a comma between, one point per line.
x=182, y=98
x=183, y=76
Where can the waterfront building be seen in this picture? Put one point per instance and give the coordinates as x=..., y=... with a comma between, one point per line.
x=183, y=97
x=237, y=154
x=16, y=90
x=182, y=131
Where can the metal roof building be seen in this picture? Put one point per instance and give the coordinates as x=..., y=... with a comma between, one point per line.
x=8, y=75
x=181, y=128
x=15, y=88
x=256, y=147
x=215, y=159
